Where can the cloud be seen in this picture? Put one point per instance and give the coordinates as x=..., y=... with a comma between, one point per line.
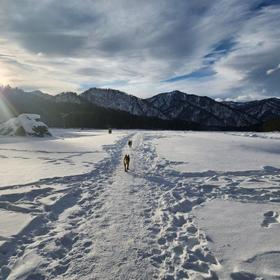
x=257, y=48
x=224, y=49
x=270, y=71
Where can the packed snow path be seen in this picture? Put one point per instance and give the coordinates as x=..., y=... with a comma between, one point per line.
x=144, y=224
x=96, y=229
x=117, y=225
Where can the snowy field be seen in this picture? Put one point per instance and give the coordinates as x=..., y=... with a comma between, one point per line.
x=194, y=205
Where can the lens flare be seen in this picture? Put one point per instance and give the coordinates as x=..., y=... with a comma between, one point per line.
x=7, y=110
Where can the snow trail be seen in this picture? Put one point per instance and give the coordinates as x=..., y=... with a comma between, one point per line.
x=118, y=227
x=58, y=213
x=96, y=228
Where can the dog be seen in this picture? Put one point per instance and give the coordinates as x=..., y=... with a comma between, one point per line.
x=130, y=143
x=126, y=161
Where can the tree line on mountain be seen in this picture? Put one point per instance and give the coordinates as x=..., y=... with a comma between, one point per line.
x=87, y=115
x=72, y=115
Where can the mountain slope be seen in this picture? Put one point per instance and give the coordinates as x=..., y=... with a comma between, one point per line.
x=71, y=110
x=200, y=109
x=262, y=110
x=174, y=105
x=69, y=97
x=112, y=108
x=118, y=100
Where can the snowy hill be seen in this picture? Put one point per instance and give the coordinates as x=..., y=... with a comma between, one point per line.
x=24, y=124
x=118, y=100
x=102, y=108
x=173, y=105
x=200, y=109
x=263, y=110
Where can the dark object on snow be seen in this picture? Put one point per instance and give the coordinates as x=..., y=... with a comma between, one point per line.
x=130, y=143
x=126, y=161
x=110, y=130
x=41, y=131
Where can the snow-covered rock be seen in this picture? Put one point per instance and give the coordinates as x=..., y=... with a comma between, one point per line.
x=24, y=124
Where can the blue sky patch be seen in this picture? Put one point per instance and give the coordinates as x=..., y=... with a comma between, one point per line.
x=264, y=3
x=198, y=74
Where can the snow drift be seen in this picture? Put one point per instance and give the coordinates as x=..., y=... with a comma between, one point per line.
x=25, y=124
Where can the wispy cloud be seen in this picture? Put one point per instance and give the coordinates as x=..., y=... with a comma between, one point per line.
x=270, y=71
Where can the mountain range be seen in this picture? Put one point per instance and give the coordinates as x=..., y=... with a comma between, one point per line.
x=102, y=108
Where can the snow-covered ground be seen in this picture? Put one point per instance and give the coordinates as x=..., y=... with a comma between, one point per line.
x=194, y=205
x=67, y=153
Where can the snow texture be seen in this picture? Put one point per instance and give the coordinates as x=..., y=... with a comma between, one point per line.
x=194, y=205
x=24, y=124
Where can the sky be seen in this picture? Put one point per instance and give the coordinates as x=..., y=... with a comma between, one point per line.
x=225, y=49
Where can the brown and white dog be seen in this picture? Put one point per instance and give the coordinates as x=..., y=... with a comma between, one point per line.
x=126, y=161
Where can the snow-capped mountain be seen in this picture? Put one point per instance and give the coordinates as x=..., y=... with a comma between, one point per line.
x=107, y=107
x=262, y=110
x=199, y=109
x=170, y=106
x=24, y=125
x=122, y=101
